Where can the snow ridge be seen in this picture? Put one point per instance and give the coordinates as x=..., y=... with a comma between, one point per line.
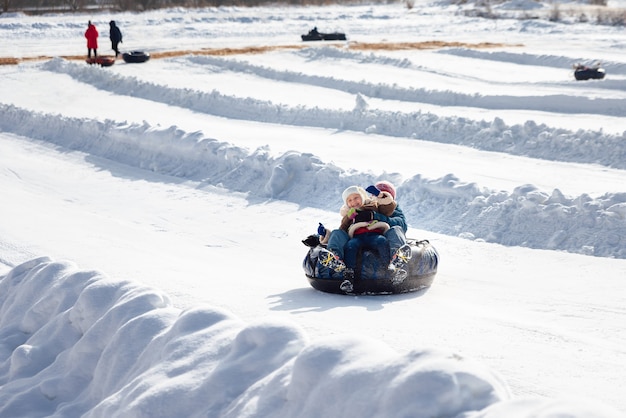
x=540, y=60
x=76, y=343
x=529, y=139
x=446, y=205
x=555, y=102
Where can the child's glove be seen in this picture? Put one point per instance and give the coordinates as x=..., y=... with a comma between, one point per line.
x=364, y=216
x=311, y=241
x=351, y=213
x=373, y=190
x=321, y=231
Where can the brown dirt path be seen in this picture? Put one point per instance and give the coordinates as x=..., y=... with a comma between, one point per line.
x=357, y=46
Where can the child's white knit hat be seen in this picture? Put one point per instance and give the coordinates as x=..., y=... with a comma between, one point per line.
x=352, y=190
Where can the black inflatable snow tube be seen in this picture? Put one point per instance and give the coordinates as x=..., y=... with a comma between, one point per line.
x=422, y=268
x=589, y=73
x=135, y=57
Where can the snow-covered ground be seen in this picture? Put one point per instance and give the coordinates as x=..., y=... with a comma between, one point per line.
x=151, y=215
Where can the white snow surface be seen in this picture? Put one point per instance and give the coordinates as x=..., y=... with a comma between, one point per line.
x=151, y=215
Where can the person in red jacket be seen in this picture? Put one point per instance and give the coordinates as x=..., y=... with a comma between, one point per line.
x=92, y=40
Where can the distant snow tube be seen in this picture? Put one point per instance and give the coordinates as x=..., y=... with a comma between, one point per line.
x=135, y=57
x=586, y=73
x=104, y=61
x=371, y=274
x=318, y=36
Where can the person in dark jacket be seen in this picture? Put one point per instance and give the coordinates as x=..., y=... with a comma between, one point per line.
x=115, y=34
x=92, y=40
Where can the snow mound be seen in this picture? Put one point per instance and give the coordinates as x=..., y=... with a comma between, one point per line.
x=76, y=343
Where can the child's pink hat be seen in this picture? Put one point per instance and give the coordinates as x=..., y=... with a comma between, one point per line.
x=385, y=186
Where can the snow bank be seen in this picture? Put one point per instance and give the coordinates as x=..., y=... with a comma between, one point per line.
x=617, y=68
x=530, y=139
x=526, y=217
x=76, y=343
